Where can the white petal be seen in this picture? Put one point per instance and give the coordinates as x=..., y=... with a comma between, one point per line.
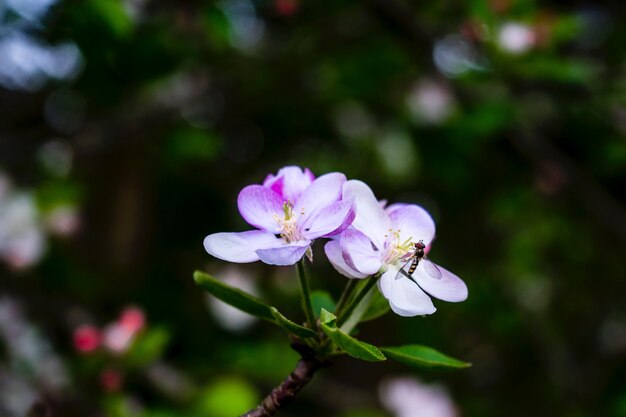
x=239, y=247
x=290, y=182
x=330, y=220
x=371, y=218
x=286, y=254
x=359, y=253
x=413, y=222
x=333, y=252
x=259, y=205
x=405, y=296
x=448, y=287
x=322, y=192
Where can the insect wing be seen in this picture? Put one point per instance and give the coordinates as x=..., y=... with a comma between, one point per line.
x=431, y=269
x=404, y=271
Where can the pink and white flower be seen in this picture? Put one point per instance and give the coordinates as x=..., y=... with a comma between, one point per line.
x=289, y=211
x=409, y=397
x=380, y=241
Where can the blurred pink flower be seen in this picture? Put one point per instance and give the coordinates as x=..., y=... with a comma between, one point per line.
x=132, y=319
x=286, y=7
x=87, y=338
x=111, y=380
x=119, y=335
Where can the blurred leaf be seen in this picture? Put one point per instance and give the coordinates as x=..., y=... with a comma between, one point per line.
x=349, y=344
x=290, y=326
x=267, y=360
x=234, y=296
x=322, y=300
x=190, y=144
x=418, y=356
x=377, y=307
x=561, y=70
x=118, y=405
x=148, y=347
x=112, y=12
x=55, y=193
x=227, y=397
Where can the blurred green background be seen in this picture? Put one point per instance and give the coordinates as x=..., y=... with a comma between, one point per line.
x=128, y=128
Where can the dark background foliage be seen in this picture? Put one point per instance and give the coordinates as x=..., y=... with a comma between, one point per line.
x=173, y=107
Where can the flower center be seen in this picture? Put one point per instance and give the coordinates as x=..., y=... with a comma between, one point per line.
x=288, y=224
x=397, y=249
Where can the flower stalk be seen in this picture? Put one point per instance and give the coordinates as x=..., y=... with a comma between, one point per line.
x=307, y=305
x=345, y=295
x=345, y=315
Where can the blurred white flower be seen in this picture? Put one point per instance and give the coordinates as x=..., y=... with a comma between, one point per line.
x=27, y=63
x=454, y=56
x=170, y=381
x=33, y=10
x=56, y=157
x=353, y=121
x=515, y=38
x=5, y=185
x=63, y=220
x=17, y=395
x=408, y=397
x=226, y=315
x=246, y=28
x=22, y=241
x=430, y=102
x=28, y=350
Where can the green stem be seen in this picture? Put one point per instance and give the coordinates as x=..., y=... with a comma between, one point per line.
x=345, y=295
x=356, y=300
x=307, y=305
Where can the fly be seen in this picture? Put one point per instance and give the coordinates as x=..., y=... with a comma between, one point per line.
x=418, y=255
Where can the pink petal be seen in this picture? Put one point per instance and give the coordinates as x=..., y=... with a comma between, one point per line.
x=239, y=247
x=290, y=182
x=333, y=252
x=359, y=253
x=329, y=221
x=322, y=192
x=394, y=207
x=448, y=287
x=413, y=222
x=405, y=296
x=258, y=205
x=287, y=254
x=371, y=218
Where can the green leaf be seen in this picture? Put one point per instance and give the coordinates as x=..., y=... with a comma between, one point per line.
x=233, y=296
x=349, y=344
x=290, y=326
x=251, y=305
x=327, y=317
x=418, y=356
x=322, y=300
x=378, y=306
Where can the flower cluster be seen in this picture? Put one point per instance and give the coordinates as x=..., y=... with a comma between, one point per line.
x=116, y=337
x=293, y=208
x=25, y=227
